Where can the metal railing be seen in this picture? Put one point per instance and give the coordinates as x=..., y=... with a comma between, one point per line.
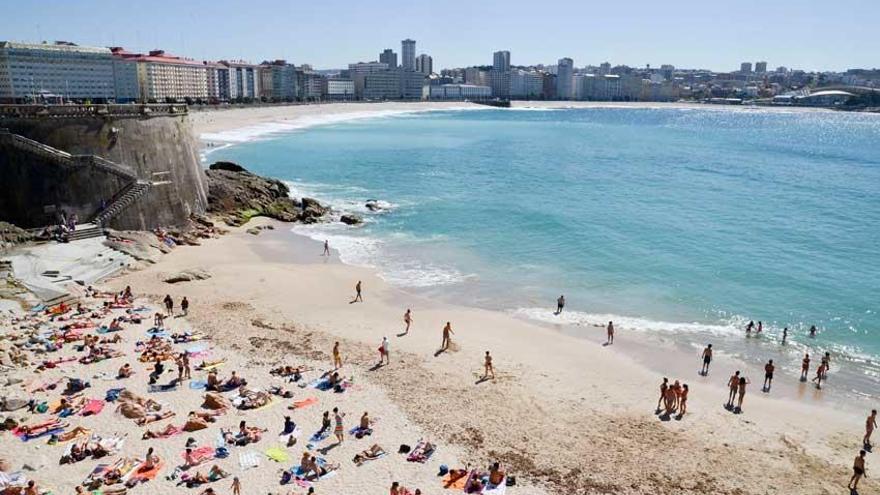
x=105, y=110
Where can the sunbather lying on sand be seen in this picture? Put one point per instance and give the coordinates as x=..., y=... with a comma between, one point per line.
x=70, y=435
x=370, y=454
x=153, y=417
x=216, y=402
x=248, y=434
x=214, y=474
x=251, y=399
x=166, y=432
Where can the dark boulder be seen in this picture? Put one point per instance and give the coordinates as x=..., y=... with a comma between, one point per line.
x=351, y=219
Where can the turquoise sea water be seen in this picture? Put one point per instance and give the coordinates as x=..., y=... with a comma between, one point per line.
x=680, y=222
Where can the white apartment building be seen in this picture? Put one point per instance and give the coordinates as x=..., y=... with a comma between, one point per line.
x=58, y=71
x=164, y=77
x=565, y=79
x=340, y=89
x=525, y=84
x=424, y=64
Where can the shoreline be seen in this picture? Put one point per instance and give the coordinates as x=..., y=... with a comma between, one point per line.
x=313, y=295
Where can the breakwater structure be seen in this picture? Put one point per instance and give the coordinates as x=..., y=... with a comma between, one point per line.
x=129, y=167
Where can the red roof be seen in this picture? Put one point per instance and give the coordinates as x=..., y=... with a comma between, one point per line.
x=157, y=56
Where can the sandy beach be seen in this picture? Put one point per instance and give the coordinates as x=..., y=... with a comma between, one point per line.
x=565, y=414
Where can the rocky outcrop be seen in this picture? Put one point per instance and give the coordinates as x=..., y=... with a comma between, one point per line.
x=239, y=195
x=188, y=276
x=351, y=219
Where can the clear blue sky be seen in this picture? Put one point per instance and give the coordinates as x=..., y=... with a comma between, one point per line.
x=807, y=34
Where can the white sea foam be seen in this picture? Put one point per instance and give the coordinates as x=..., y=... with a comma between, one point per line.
x=266, y=129
x=577, y=318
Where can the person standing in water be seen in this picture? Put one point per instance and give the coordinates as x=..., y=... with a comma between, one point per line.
x=610, y=330
x=560, y=303
x=488, y=369
x=858, y=471
x=707, y=358
x=447, y=331
x=326, y=248
x=784, y=335
x=813, y=331
x=805, y=367
x=408, y=319
x=357, y=288
x=732, y=384
x=826, y=360
x=760, y=326
x=820, y=374
x=768, y=375
x=870, y=424
x=749, y=327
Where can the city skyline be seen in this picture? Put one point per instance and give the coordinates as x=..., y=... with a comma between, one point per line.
x=787, y=33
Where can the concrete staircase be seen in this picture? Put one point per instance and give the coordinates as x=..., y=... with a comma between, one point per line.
x=86, y=231
x=134, y=189
x=123, y=200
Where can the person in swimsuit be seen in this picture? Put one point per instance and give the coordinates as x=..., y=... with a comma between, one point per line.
x=339, y=431
x=827, y=360
x=743, y=381
x=707, y=358
x=236, y=486
x=813, y=331
x=784, y=335
x=325, y=423
x=357, y=289
x=858, y=471
x=488, y=368
x=870, y=424
x=384, y=358
x=337, y=358
x=732, y=384
x=805, y=367
x=169, y=305
x=663, y=387
x=749, y=327
x=447, y=331
x=560, y=303
x=760, y=326
x=326, y=248
x=683, y=400
x=820, y=374
x=184, y=306
x=768, y=375
x=407, y=318
x=610, y=330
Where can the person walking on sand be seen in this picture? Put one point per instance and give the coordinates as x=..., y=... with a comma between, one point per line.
x=339, y=430
x=236, y=486
x=743, y=381
x=732, y=385
x=805, y=367
x=337, y=358
x=326, y=248
x=858, y=471
x=663, y=387
x=488, y=369
x=187, y=369
x=408, y=319
x=560, y=303
x=820, y=374
x=870, y=424
x=610, y=330
x=169, y=304
x=447, y=331
x=768, y=375
x=184, y=306
x=707, y=358
x=358, y=297
x=384, y=358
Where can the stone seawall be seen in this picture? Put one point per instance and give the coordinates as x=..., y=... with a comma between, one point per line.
x=161, y=149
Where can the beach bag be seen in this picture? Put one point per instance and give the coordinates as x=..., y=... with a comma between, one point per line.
x=286, y=477
x=511, y=480
x=42, y=407
x=404, y=449
x=221, y=453
x=444, y=469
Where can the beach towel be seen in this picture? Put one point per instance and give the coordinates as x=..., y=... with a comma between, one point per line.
x=499, y=489
x=303, y=403
x=455, y=480
x=277, y=454
x=319, y=436
x=200, y=454
x=167, y=387
x=97, y=473
x=249, y=459
x=198, y=384
x=113, y=394
x=142, y=474
x=197, y=348
x=16, y=479
x=93, y=406
x=421, y=453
